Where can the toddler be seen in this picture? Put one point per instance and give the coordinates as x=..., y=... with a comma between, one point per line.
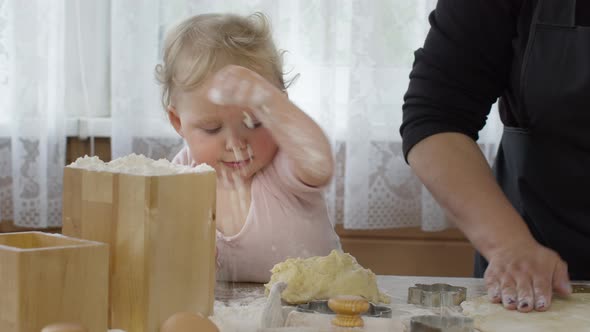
x=224, y=93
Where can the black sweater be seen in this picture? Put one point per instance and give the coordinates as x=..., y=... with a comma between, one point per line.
x=472, y=55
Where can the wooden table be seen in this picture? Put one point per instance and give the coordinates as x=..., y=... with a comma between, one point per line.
x=250, y=298
x=235, y=301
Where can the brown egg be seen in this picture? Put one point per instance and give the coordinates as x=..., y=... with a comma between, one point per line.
x=64, y=327
x=188, y=322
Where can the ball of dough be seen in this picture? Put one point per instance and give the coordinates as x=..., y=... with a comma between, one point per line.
x=188, y=322
x=324, y=277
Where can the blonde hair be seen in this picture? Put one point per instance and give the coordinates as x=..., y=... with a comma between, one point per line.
x=203, y=44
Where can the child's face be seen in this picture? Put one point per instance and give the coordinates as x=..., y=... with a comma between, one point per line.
x=220, y=136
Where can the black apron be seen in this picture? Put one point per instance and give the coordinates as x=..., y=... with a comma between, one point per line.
x=544, y=167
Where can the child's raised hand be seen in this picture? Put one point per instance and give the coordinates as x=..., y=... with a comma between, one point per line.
x=235, y=85
x=294, y=131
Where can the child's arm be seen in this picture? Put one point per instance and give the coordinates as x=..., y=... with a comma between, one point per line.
x=295, y=132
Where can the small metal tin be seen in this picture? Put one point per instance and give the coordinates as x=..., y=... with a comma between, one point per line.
x=436, y=295
x=321, y=307
x=433, y=323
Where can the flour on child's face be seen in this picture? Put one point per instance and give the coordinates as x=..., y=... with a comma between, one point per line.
x=248, y=120
x=225, y=137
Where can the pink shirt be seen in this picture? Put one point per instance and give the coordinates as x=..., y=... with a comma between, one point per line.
x=286, y=219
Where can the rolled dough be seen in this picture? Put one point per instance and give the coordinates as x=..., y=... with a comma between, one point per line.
x=571, y=315
x=323, y=277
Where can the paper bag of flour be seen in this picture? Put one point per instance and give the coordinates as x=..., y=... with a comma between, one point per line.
x=159, y=222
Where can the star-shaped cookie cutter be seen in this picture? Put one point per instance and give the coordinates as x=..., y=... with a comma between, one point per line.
x=436, y=295
x=432, y=323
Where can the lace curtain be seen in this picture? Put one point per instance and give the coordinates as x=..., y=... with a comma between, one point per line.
x=32, y=119
x=354, y=57
x=88, y=59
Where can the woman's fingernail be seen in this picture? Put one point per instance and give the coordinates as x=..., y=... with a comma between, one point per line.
x=508, y=300
x=540, y=304
x=523, y=305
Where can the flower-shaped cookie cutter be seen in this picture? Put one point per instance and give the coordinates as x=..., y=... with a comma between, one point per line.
x=432, y=323
x=321, y=307
x=436, y=295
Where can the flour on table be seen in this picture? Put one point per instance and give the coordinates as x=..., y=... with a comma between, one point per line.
x=571, y=315
x=238, y=316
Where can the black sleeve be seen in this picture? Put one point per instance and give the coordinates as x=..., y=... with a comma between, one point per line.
x=461, y=70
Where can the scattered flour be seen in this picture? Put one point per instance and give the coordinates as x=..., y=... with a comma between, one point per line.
x=238, y=316
x=259, y=96
x=137, y=165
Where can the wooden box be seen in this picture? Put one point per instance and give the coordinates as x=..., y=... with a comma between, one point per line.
x=46, y=278
x=161, y=232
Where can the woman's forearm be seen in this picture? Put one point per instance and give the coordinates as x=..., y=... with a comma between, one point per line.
x=301, y=139
x=454, y=170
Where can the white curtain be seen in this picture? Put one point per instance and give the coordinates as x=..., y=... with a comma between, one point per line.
x=354, y=57
x=93, y=59
x=32, y=140
x=54, y=66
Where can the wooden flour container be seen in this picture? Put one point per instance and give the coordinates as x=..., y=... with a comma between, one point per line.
x=47, y=278
x=161, y=232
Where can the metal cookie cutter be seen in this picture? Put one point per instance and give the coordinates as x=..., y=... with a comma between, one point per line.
x=580, y=288
x=321, y=307
x=441, y=324
x=436, y=295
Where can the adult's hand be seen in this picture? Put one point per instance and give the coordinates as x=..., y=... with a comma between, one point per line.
x=521, y=273
x=523, y=277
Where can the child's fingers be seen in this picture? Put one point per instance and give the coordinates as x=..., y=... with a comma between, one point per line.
x=259, y=96
x=234, y=85
x=215, y=96
x=242, y=92
x=223, y=92
x=222, y=75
